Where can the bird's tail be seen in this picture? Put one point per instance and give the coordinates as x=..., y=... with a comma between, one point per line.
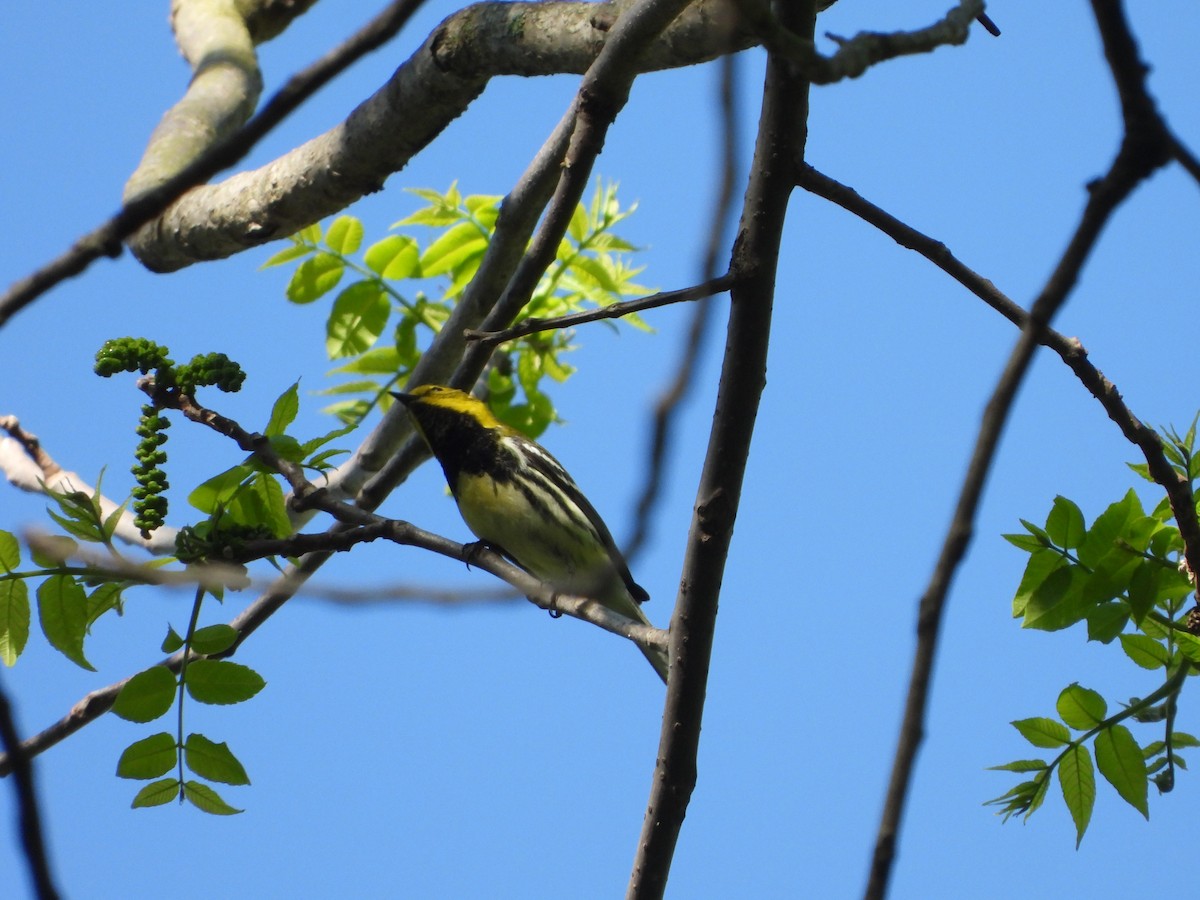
x=619, y=600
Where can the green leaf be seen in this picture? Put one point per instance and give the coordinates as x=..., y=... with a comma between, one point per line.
x=1077, y=778
x=588, y=267
x=481, y=204
x=213, y=761
x=261, y=502
x=1109, y=526
x=149, y=757
x=1189, y=646
x=147, y=695
x=1120, y=761
x=349, y=411
x=1065, y=524
x=10, y=551
x=1021, y=765
x=395, y=258
x=14, y=620
x=1081, y=708
x=452, y=248
x=1106, y=621
x=286, y=255
x=1171, y=451
x=1114, y=569
x=1041, y=785
x=222, y=682
x=112, y=520
x=1042, y=564
x=434, y=217
x=1183, y=739
x=287, y=447
x=358, y=318
x=62, y=611
x=102, y=599
x=283, y=411
x=314, y=278
x=1043, y=732
x=207, y=800
x=442, y=209
x=1040, y=533
x=1024, y=798
x=157, y=794
x=1142, y=593
x=315, y=443
x=350, y=387
x=1026, y=542
x=213, y=639
x=217, y=491
x=1145, y=651
x=578, y=226
x=1058, y=601
x=345, y=235
x=172, y=641
x=79, y=515
x=377, y=361
x=310, y=234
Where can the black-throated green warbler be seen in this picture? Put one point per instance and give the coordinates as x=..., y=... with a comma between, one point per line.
x=519, y=499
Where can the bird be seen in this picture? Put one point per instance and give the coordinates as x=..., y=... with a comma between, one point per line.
x=518, y=499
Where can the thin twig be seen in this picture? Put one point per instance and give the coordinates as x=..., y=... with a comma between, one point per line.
x=106, y=239
x=670, y=399
x=780, y=145
x=32, y=840
x=215, y=575
x=1186, y=158
x=1144, y=148
x=612, y=311
x=1070, y=350
x=868, y=48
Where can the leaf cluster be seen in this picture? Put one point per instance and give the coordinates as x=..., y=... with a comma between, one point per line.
x=407, y=289
x=247, y=500
x=70, y=599
x=1124, y=578
x=152, y=693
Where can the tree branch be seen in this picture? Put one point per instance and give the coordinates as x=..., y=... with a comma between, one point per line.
x=670, y=399
x=781, y=137
x=712, y=286
x=867, y=48
x=1144, y=148
x=1070, y=350
x=427, y=92
x=32, y=840
x=215, y=574
x=106, y=239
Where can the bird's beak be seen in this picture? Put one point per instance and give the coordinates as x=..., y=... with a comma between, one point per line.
x=403, y=398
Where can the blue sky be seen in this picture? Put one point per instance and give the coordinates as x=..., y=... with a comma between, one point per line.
x=408, y=750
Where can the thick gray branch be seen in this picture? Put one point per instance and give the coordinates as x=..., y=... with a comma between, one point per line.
x=217, y=38
x=426, y=93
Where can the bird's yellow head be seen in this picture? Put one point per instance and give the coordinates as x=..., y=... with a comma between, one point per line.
x=447, y=399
